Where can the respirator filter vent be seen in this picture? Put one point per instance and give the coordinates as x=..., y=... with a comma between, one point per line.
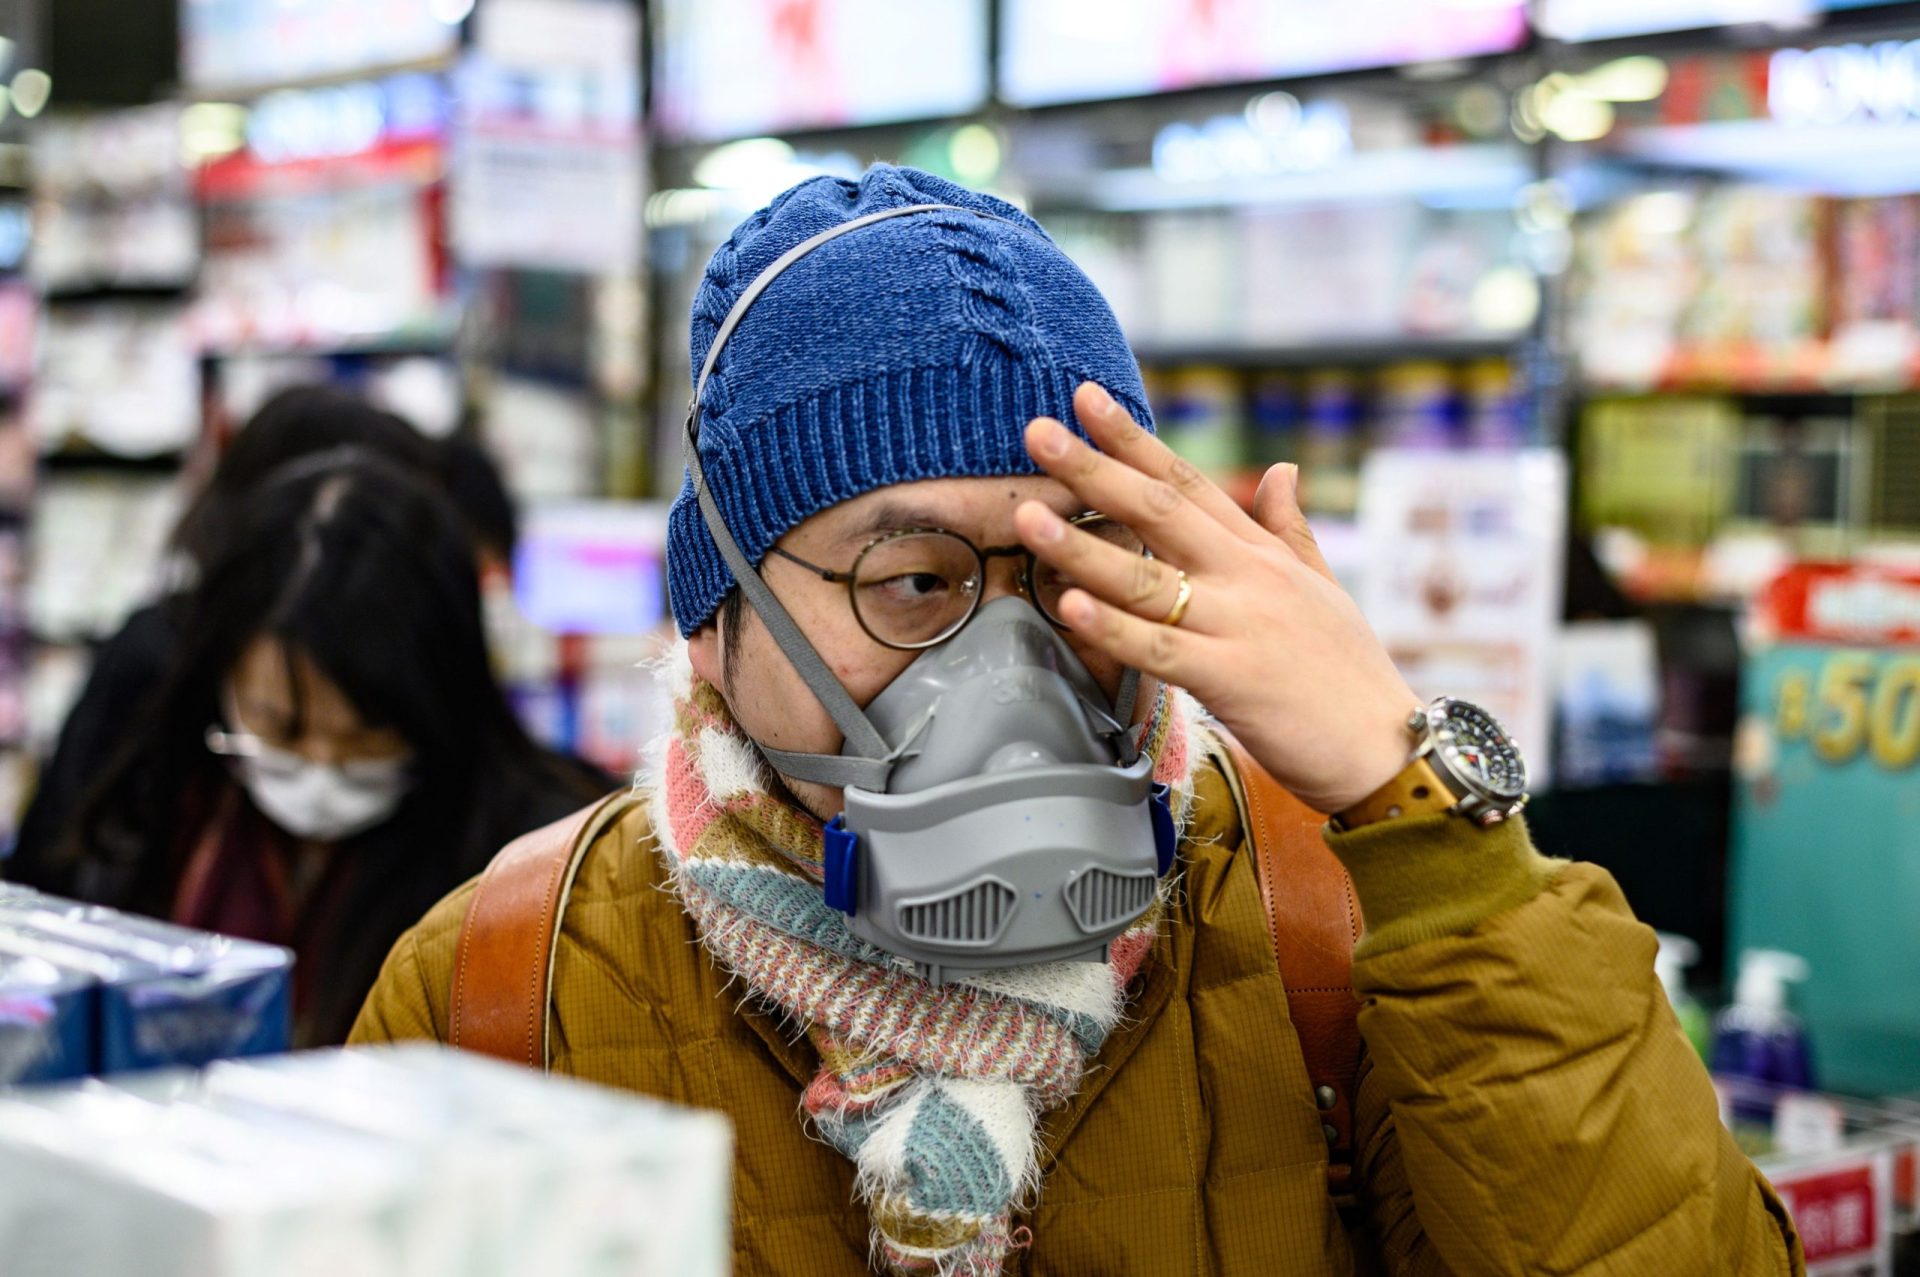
x=1101, y=899
x=976, y=915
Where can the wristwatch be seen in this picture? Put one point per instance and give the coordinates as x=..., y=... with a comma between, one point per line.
x=1463, y=764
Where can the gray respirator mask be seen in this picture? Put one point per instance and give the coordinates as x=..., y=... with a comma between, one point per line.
x=998, y=809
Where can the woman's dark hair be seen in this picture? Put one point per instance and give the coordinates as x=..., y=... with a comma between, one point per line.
x=298, y=421
x=366, y=569
x=474, y=484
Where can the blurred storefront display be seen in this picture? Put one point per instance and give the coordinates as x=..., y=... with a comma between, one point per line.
x=1587, y=320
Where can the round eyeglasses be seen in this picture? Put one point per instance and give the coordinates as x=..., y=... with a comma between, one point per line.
x=914, y=588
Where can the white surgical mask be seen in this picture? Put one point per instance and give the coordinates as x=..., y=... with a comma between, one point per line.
x=323, y=802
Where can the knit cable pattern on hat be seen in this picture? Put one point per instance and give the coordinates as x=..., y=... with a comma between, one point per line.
x=935, y=1093
x=917, y=347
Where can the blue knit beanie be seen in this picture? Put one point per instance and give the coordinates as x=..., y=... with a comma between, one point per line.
x=914, y=348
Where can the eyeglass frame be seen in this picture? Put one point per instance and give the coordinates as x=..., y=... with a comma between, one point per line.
x=850, y=578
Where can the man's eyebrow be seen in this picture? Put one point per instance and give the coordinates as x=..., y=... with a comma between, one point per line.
x=897, y=516
x=889, y=516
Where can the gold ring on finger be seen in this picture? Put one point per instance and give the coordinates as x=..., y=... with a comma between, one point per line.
x=1184, y=596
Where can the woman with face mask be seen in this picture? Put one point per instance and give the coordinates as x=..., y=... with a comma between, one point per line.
x=330, y=752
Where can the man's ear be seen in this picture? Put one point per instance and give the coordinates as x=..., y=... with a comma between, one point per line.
x=703, y=650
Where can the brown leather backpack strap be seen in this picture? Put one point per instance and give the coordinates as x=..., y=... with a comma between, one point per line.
x=1313, y=919
x=505, y=961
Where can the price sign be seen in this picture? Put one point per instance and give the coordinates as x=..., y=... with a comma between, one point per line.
x=1841, y=1208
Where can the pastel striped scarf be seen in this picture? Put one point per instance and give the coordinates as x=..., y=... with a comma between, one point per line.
x=935, y=1094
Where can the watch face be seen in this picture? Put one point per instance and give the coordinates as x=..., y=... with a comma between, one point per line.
x=1480, y=751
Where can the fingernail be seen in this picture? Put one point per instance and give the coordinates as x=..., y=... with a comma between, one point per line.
x=1101, y=399
x=1053, y=440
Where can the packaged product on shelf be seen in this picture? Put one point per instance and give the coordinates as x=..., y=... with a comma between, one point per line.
x=1638, y=270
x=1757, y=1039
x=1463, y=578
x=19, y=325
x=122, y=377
x=1331, y=445
x=1324, y=273
x=1676, y=954
x=1763, y=281
x=96, y=552
x=168, y=995
x=46, y=1021
x=113, y=205
x=607, y=1183
x=1665, y=467
x=1202, y=418
x=411, y=1161
x=1194, y=278
x=1876, y=319
x=98, y=1180
x=1274, y=419
x=1607, y=703
x=1495, y=409
x=1453, y=254
x=1415, y=406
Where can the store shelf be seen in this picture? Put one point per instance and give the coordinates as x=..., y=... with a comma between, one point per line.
x=1367, y=352
x=1811, y=370
x=81, y=295
x=434, y=341
x=244, y=92
x=76, y=460
x=1474, y=175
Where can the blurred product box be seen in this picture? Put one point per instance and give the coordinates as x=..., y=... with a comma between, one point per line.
x=46, y=1020
x=412, y=1161
x=159, y=995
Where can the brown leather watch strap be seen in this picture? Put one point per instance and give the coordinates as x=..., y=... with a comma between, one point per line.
x=505, y=959
x=1417, y=790
x=1313, y=919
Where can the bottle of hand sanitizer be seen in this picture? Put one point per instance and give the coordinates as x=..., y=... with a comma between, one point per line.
x=1757, y=1038
x=1677, y=953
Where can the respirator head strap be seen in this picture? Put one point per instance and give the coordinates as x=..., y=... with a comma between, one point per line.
x=853, y=724
x=837, y=771
x=1124, y=697
x=869, y=771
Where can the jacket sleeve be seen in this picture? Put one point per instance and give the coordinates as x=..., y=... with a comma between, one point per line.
x=1529, y=1103
x=409, y=1000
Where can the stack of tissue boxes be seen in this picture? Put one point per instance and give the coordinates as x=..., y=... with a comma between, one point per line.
x=87, y=990
x=404, y=1161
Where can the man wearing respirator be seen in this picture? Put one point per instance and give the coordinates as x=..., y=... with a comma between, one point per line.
x=942, y=851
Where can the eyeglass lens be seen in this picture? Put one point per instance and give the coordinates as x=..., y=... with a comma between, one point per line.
x=915, y=589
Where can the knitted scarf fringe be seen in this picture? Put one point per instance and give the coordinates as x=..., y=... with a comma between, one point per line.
x=936, y=1094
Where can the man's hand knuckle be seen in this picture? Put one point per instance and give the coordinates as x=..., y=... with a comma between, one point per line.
x=1162, y=646
x=1162, y=498
x=1146, y=583
x=1186, y=476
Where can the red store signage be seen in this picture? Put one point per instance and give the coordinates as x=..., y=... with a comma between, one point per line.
x=1836, y=1212
x=1843, y=603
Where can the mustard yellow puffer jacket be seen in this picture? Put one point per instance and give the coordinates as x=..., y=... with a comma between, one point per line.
x=1529, y=1103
